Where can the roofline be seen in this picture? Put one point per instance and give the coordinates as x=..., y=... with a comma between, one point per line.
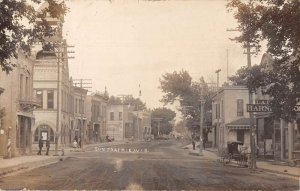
x=230, y=87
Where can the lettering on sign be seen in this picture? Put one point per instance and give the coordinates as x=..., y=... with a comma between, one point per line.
x=265, y=107
x=262, y=102
x=258, y=108
x=297, y=108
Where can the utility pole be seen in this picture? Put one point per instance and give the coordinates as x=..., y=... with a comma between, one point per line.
x=252, y=127
x=218, y=107
x=85, y=84
x=227, y=78
x=61, y=55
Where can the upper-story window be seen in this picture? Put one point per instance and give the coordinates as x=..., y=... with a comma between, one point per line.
x=27, y=89
x=50, y=99
x=240, y=107
x=39, y=98
x=217, y=111
x=21, y=88
x=76, y=105
x=112, y=116
x=120, y=115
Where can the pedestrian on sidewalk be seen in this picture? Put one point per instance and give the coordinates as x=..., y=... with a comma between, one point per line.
x=40, y=146
x=48, y=145
x=79, y=142
x=194, y=144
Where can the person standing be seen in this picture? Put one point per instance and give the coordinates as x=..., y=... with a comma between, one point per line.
x=48, y=145
x=40, y=146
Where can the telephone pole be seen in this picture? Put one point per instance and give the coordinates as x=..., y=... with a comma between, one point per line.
x=251, y=114
x=218, y=108
x=252, y=127
x=61, y=55
x=84, y=84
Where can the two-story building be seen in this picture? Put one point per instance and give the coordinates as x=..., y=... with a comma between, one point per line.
x=229, y=111
x=120, y=122
x=96, y=116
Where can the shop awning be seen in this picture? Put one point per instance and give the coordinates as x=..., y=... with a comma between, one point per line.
x=242, y=123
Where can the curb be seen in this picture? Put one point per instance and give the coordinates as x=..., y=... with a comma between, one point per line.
x=28, y=166
x=279, y=172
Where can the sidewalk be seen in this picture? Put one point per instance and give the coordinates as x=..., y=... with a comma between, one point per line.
x=15, y=164
x=269, y=166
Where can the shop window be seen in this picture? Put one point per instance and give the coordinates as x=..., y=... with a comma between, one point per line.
x=43, y=131
x=240, y=135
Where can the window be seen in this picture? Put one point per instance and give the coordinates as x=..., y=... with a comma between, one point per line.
x=112, y=116
x=43, y=131
x=27, y=90
x=240, y=107
x=21, y=87
x=217, y=111
x=39, y=98
x=240, y=135
x=120, y=115
x=76, y=103
x=50, y=99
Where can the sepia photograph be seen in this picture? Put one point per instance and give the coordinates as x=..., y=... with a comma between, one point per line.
x=150, y=95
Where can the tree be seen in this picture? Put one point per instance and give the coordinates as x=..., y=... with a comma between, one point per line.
x=166, y=115
x=277, y=22
x=180, y=86
x=19, y=29
x=134, y=102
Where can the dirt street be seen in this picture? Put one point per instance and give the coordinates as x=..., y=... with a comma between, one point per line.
x=164, y=165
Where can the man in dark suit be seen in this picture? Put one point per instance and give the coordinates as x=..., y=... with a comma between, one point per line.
x=41, y=144
x=48, y=145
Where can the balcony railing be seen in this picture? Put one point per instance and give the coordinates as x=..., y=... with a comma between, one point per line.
x=28, y=105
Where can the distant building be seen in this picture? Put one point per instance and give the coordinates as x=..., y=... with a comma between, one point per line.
x=120, y=122
x=96, y=108
x=18, y=102
x=80, y=117
x=142, y=124
x=231, y=114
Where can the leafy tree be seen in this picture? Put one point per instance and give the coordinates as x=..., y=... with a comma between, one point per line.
x=180, y=86
x=166, y=115
x=19, y=29
x=277, y=22
x=114, y=100
x=134, y=102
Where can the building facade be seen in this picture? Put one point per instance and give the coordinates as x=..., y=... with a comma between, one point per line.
x=96, y=109
x=120, y=122
x=229, y=110
x=18, y=103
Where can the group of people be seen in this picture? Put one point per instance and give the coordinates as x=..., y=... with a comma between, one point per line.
x=41, y=144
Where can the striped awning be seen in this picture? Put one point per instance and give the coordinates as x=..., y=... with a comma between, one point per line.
x=241, y=123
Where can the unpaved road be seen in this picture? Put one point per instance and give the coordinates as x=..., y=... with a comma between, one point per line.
x=165, y=166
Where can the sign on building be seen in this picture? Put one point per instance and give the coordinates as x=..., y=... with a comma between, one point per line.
x=258, y=108
x=263, y=106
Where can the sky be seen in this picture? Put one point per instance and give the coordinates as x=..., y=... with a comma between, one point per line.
x=120, y=44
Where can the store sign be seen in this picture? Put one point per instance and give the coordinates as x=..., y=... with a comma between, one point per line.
x=265, y=108
x=258, y=108
x=297, y=108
